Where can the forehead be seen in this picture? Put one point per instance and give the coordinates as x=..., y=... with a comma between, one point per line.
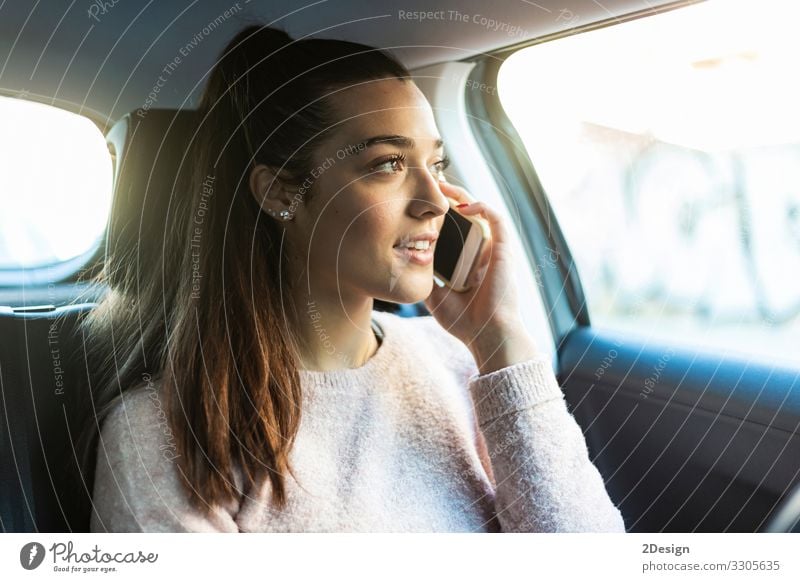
x=383, y=107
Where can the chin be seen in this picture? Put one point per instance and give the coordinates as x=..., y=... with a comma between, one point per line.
x=416, y=292
x=410, y=288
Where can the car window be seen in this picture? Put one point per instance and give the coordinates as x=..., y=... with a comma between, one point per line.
x=669, y=148
x=55, y=185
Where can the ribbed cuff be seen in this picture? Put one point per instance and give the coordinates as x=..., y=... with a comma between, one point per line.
x=513, y=388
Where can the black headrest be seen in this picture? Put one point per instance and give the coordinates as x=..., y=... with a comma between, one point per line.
x=150, y=149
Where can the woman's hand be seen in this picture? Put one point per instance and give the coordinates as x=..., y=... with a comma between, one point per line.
x=486, y=316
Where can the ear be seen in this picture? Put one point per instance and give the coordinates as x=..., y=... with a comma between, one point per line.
x=270, y=191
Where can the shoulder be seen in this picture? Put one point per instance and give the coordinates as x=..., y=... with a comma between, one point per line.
x=139, y=484
x=138, y=402
x=137, y=423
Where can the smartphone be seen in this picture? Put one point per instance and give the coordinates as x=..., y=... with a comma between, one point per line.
x=458, y=248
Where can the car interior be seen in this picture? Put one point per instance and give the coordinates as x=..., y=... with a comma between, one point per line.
x=687, y=437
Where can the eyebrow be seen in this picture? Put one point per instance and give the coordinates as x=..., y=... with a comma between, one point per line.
x=399, y=140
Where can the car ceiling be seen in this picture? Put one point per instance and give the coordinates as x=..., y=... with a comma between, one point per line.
x=104, y=58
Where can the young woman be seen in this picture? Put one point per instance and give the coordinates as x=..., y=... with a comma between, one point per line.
x=254, y=387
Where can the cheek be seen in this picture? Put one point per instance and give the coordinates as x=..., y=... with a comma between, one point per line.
x=365, y=221
x=373, y=231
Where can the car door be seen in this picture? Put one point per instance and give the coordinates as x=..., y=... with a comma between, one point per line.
x=664, y=227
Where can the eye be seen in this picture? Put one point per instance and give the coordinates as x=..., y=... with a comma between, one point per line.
x=442, y=164
x=389, y=163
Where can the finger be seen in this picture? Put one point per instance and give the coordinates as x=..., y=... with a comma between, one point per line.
x=455, y=192
x=486, y=254
x=496, y=224
x=479, y=275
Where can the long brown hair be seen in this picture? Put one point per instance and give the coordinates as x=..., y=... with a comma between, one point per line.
x=208, y=317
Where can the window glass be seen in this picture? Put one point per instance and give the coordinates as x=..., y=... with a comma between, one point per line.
x=669, y=148
x=55, y=185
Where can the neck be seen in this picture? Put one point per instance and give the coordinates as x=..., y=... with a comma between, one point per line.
x=332, y=322
x=333, y=333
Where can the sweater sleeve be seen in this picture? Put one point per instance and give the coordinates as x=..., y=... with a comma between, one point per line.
x=545, y=481
x=137, y=485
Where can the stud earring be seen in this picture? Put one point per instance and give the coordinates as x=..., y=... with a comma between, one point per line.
x=283, y=215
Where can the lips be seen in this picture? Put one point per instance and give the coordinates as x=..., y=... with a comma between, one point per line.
x=418, y=257
x=425, y=236
x=421, y=257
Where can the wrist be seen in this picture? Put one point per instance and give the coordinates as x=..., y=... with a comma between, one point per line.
x=502, y=346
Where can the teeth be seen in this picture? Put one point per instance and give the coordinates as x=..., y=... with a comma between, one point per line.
x=420, y=245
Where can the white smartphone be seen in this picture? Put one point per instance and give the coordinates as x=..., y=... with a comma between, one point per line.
x=458, y=248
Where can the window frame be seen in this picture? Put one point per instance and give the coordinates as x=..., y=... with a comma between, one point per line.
x=87, y=263
x=519, y=183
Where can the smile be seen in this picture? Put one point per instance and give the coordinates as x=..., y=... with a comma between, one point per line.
x=419, y=256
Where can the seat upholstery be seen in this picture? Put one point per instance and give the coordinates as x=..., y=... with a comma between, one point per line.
x=44, y=385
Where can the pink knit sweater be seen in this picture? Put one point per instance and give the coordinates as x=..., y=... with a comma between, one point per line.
x=415, y=440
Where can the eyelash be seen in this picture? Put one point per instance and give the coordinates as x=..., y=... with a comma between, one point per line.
x=443, y=163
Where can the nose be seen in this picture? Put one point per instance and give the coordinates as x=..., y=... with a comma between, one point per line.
x=427, y=197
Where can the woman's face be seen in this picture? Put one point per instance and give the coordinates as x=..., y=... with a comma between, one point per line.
x=368, y=197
